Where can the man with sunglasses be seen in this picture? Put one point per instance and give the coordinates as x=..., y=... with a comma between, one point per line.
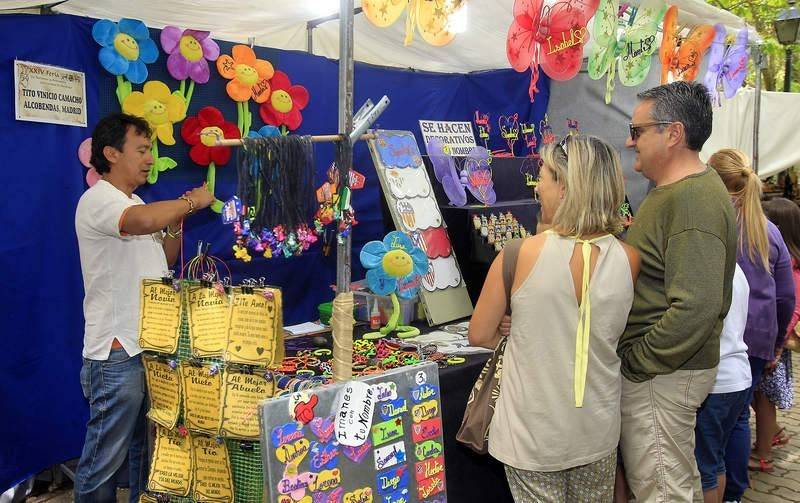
x=685, y=231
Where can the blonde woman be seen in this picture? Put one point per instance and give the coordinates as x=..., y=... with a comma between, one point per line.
x=767, y=265
x=556, y=424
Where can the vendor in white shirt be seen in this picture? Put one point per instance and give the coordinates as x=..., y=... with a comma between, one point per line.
x=122, y=240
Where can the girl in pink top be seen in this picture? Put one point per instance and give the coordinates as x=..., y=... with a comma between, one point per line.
x=776, y=387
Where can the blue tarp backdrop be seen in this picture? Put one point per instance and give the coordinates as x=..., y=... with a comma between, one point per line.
x=42, y=409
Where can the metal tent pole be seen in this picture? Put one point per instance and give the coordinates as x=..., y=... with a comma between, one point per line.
x=343, y=304
x=758, y=58
x=344, y=151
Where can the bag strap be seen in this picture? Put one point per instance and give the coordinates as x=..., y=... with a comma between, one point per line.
x=510, y=254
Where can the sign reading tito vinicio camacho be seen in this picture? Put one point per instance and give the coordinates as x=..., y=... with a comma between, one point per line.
x=44, y=93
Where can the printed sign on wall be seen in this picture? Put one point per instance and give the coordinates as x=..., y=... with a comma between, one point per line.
x=44, y=93
x=457, y=137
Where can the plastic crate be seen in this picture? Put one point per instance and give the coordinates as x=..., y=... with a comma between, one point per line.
x=364, y=302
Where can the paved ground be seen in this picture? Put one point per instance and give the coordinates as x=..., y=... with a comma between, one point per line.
x=782, y=485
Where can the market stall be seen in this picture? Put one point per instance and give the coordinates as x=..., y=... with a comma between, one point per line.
x=304, y=278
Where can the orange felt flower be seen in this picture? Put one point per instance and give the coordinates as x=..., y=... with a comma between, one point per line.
x=249, y=76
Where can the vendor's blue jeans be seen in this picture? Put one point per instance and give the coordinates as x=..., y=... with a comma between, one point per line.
x=738, y=451
x=115, y=389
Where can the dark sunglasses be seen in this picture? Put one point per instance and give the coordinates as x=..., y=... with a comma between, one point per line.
x=635, y=130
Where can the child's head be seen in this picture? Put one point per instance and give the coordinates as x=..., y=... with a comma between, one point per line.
x=785, y=215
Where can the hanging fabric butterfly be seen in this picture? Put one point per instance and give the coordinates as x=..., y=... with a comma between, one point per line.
x=628, y=52
x=476, y=174
x=552, y=36
x=727, y=66
x=432, y=17
x=681, y=56
x=395, y=268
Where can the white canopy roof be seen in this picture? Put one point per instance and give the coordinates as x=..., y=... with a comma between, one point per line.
x=282, y=24
x=778, y=135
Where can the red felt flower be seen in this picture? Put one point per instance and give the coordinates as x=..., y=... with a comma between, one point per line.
x=284, y=104
x=202, y=131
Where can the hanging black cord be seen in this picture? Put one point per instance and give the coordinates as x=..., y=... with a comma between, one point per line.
x=277, y=174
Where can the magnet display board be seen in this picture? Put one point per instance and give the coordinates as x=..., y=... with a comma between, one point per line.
x=415, y=212
x=377, y=439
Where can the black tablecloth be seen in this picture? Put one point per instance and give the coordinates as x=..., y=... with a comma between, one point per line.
x=471, y=477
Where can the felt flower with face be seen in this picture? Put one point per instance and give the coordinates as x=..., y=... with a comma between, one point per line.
x=285, y=102
x=394, y=265
x=85, y=156
x=160, y=108
x=249, y=76
x=127, y=47
x=264, y=132
x=203, y=131
x=189, y=52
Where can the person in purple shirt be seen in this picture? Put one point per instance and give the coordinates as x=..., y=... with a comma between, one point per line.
x=766, y=263
x=777, y=386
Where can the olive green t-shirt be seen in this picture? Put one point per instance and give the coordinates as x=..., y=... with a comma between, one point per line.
x=686, y=235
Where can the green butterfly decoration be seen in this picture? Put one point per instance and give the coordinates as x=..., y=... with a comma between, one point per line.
x=625, y=40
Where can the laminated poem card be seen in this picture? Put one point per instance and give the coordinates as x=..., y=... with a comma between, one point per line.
x=213, y=480
x=207, y=312
x=171, y=470
x=159, y=316
x=164, y=391
x=241, y=393
x=255, y=332
x=201, y=397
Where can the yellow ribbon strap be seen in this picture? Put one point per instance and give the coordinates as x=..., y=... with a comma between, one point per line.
x=584, y=321
x=584, y=325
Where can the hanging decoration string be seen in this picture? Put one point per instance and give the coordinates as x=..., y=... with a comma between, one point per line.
x=276, y=188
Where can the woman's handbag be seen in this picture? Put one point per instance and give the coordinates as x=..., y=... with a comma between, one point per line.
x=474, y=431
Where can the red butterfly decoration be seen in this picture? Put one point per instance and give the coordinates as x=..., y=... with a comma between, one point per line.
x=552, y=37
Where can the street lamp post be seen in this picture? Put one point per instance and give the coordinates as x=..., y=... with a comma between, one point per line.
x=787, y=30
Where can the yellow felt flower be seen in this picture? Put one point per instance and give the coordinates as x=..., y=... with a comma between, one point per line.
x=160, y=108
